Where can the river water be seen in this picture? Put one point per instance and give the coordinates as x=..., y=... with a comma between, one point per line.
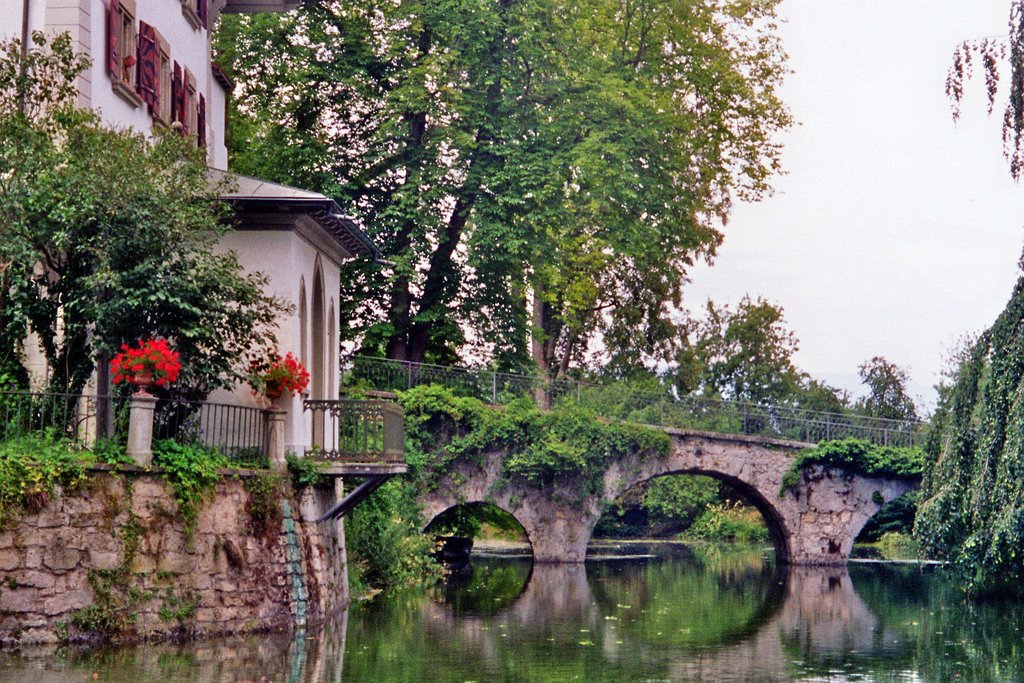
x=660, y=612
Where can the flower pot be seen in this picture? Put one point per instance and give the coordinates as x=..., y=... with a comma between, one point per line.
x=143, y=380
x=273, y=392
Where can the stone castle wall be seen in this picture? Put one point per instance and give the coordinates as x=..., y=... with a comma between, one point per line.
x=113, y=558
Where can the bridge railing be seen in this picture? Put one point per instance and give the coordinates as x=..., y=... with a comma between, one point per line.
x=618, y=401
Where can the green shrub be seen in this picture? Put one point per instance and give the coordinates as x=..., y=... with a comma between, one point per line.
x=857, y=457
x=111, y=452
x=32, y=465
x=734, y=523
x=305, y=471
x=899, y=546
x=385, y=544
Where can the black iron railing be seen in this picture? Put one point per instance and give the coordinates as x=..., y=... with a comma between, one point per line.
x=239, y=432
x=357, y=431
x=619, y=401
x=236, y=431
x=73, y=417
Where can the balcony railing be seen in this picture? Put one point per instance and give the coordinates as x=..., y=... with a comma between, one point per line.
x=357, y=431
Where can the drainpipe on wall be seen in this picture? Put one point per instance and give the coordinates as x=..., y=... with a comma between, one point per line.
x=24, y=49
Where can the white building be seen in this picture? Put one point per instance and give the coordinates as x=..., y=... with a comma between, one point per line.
x=152, y=68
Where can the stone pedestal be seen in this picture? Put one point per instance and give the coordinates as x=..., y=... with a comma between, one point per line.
x=275, y=439
x=140, y=428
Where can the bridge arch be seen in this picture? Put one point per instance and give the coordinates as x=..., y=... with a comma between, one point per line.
x=814, y=524
x=435, y=512
x=773, y=519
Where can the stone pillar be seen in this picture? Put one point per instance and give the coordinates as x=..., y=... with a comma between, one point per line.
x=558, y=534
x=140, y=428
x=275, y=438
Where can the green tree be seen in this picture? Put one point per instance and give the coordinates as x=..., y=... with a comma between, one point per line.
x=108, y=237
x=747, y=354
x=887, y=391
x=680, y=500
x=971, y=505
x=992, y=52
x=532, y=168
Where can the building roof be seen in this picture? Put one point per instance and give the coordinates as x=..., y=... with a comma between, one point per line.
x=254, y=194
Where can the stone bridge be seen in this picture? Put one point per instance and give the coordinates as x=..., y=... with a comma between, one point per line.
x=814, y=523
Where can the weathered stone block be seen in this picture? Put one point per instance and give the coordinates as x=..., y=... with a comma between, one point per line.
x=21, y=599
x=36, y=579
x=10, y=559
x=103, y=559
x=60, y=558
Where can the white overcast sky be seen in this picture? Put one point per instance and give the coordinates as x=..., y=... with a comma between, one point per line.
x=894, y=231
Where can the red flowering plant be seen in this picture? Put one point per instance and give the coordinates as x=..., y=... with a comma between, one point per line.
x=151, y=361
x=275, y=375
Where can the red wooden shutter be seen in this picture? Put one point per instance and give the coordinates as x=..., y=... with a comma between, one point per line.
x=185, y=107
x=177, y=89
x=148, y=83
x=114, y=39
x=201, y=122
x=201, y=11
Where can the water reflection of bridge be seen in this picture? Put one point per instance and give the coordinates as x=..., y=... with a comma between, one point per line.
x=812, y=609
x=804, y=612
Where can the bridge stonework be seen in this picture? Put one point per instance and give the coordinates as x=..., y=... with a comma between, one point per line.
x=813, y=524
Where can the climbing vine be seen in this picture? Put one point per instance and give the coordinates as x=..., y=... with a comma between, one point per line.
x=566, y=447
x=191, y=470
x=856, y=457
x=972, y=498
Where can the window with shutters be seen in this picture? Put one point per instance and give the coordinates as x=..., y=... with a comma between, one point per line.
x=195, y=12
x=147, y=71
x=163, y=112
x=191, y=104
x=201, y=122
x=122, y=49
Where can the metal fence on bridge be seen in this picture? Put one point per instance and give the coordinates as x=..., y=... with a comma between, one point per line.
x=620, y=401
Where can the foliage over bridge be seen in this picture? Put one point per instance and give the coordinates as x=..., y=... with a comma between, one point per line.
x=659, y=408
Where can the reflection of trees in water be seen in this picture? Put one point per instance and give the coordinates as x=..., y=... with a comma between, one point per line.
x=488, y=588
x=702, y=597
x=701, y=616
x=284, y=658
x=943, y=634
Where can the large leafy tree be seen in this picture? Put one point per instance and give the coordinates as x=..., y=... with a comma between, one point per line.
x=107, y=237
x=533, y=169
x=972, y=497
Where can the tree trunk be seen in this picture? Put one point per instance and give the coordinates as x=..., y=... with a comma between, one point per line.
x=443, y=277
x=537, y=349
x=400, y=299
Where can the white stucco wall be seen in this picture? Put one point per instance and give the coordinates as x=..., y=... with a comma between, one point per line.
x=86, y=21
x=288, y=259
x=10, y=17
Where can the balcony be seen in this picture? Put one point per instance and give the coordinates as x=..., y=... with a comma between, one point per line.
x=357, y=436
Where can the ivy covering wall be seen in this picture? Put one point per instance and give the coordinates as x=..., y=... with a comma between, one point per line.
x=972, y=500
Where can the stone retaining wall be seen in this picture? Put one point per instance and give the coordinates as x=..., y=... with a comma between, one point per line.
x=114, y=556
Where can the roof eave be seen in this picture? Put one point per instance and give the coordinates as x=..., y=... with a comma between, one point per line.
x=325, y=212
